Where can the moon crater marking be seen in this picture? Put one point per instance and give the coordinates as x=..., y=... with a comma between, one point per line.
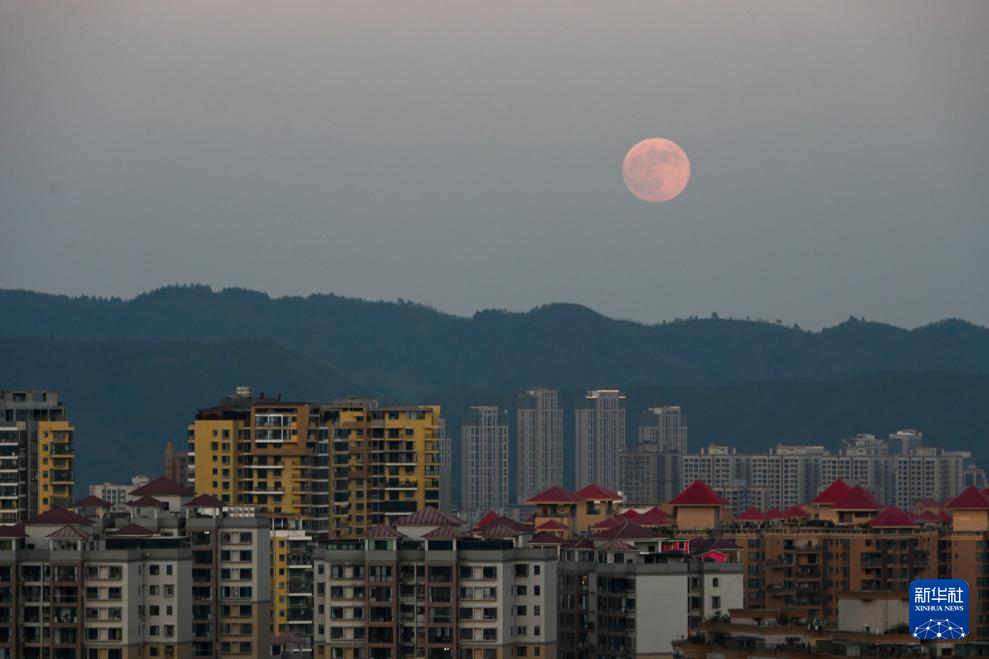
x=656, y=169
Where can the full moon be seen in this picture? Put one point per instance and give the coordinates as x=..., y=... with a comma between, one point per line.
x=656, y=169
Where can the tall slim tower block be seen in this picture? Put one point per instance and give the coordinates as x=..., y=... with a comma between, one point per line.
x=484, y=459
x=600, y=434
x=539, y=457
x=36, y=454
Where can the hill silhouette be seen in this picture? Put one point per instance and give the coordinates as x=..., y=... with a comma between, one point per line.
x=406, y=350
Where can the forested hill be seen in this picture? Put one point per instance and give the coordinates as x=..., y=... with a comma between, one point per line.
x=405, y=349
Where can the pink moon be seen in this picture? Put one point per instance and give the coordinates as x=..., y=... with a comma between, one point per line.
x=656, y=169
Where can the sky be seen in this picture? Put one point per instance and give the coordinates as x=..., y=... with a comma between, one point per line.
x=468, y=155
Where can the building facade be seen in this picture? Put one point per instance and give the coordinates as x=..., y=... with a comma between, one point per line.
x=338, y=467
x=539, y=456
x=37, y=471
x=118, y=494
x=600, y=437
x=151, y=583
x=789, y=475
x=440, y=597
x=484, y=459
x=650, y=471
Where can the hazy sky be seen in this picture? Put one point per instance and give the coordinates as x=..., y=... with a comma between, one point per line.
x=468, y=154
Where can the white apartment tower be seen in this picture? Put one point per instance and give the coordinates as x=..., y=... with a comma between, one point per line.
x=484, y=459
x=540, y=442
x=600, y=434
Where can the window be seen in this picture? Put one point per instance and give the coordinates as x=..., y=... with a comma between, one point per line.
x=521, y=610
x=535, y=571
x=714, y=582
x=716, y=602
x=154, y=570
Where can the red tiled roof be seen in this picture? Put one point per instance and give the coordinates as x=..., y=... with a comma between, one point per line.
x=794, y=512
x=858, y=499
x=489, y=517
x=630, y=514
x=58, y=517
x=751, y=514
x=133, y=530
x=429, y=516
x=698, y=493
x=610, y=523
x=382, y=532
x=583, y=543
x=945, y=516
x=595, y=492
x=653, y=517
x=971, y=498
x=205, y=501
x=929, y=516
x=146, y=502
x=616, y=545
x=500, y=529
x=92, y=502
x=163, y=487
x=544, y=538
x=774, y=513
x=891, y=517
x=442, y=533
x=552, y=525
x=555, y=494
x=68, y=533
x=833, y=492
x=627, y=531
x=12, y=531
x=504, y=521
x=931, y=502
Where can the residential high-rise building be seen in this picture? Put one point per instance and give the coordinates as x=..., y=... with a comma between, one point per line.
x=192, y=582
x=446, y=468
x=274, y=457
x=650, y=471
x=539, y=452
x=664, y=428
x=626, y=596
x=484, y=459
x=36, y=454
x=789, y=475
x=600, y=437
x=385, y=462
x=436, y=596
x=175, y=464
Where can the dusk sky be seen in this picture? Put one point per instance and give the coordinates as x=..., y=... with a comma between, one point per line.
x=468, y=155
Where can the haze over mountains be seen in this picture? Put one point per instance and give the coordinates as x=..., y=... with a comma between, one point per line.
x=133, y=372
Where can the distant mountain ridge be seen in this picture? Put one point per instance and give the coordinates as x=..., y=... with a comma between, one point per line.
x=126, y=398
x=405, y=349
